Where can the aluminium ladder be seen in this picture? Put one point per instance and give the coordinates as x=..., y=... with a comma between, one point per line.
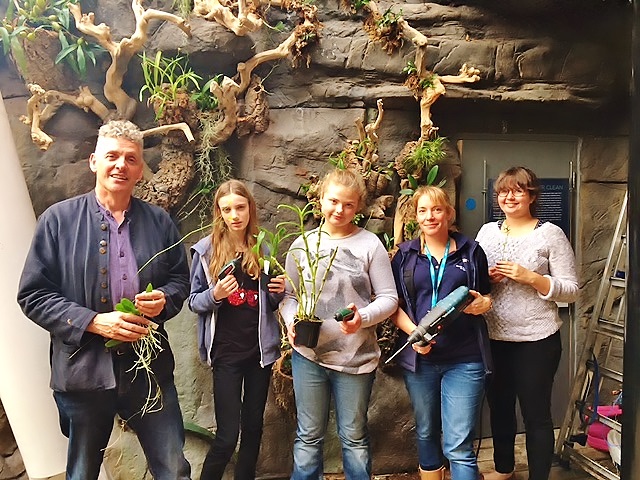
x=599, y=370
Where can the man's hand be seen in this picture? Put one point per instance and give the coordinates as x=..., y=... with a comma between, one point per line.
x=150, y=303
x=124, y=327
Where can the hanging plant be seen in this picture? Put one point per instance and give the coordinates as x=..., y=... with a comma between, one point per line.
x=31, y=26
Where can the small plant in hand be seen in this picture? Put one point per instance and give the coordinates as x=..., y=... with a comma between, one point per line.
x=505, y=243
x=267, y=248
x=146, y=350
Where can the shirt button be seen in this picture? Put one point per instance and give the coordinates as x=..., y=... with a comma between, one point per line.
x=124, y=277
x=103, y=250
x=103, y=243
x=69, y=321
x=103, y=284
x=122, y=254
x=103, y=227
x=103, y=270
x=103, y=299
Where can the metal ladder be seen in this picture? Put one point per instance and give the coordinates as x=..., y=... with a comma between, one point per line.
x=599, y=370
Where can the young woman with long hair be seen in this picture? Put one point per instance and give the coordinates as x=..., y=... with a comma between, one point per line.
x=238, y=334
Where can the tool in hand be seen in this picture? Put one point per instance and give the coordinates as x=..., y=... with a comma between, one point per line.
x=445, y=311
x=344, y=315
x=229, y=268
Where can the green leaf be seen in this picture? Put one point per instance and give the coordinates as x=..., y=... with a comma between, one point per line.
x=407, y=191
x=65, y=52
x=6, y=41
x=82, y=62
x=199, y=431
x=90, y=55
x=149, y=288
x=127, y=306
x=112, y=343
x=63, y=39
x=431, y=176
x=63, y=15
x=413, y=181
x=18, y=54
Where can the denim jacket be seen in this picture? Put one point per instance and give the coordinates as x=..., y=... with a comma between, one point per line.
x=201, y=302
x=65, y=284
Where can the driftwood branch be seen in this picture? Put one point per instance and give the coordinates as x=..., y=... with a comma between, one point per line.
x=246, y=21
x=42, y=105
x=161, y=130
x=122, y=52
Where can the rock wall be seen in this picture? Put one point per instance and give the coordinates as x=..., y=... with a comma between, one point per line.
x=547, y=68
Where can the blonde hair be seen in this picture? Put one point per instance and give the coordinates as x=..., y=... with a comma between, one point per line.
x=438, y=196
x=348, y=179
x=222, y=247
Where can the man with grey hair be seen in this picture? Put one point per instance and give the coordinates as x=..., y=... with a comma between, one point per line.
x=84, y=258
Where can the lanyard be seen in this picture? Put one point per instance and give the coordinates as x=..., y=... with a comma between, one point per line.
x=435, y=282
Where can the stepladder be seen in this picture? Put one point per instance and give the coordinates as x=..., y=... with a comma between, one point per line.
x=596, y=400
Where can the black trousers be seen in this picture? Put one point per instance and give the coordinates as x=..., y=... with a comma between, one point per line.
x=239, y=396
x=523, y=370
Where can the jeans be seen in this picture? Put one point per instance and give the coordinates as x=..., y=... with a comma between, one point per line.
x=313, y=386
x=523, y=370
x=86, y=418
x=236, y=411
x=446, y=400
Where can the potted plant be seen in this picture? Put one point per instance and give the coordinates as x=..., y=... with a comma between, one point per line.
x=309, y=262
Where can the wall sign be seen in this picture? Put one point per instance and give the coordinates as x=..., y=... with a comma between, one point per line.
x=553, y=204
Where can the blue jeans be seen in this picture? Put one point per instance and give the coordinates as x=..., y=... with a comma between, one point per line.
x=313, y=386
x=86, y=418
x=446, y=400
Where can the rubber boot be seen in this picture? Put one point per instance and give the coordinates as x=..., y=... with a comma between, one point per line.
x=431, y=474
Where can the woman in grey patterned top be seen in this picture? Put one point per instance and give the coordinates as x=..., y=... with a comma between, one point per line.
x=531, y=266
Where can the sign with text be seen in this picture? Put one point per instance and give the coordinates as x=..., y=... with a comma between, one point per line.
x=553, y=204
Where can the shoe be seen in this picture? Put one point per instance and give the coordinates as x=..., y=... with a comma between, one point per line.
x=499, y=476
x=431, y=474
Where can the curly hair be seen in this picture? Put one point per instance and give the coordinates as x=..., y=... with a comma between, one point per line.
x=122, y=129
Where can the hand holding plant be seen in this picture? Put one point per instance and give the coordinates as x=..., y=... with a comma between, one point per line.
x=128, y=307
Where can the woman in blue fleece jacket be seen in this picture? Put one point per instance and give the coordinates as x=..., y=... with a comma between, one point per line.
x=238, y=333
x=445, y=379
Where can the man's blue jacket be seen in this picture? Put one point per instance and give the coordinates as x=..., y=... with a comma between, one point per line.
x=65, y=283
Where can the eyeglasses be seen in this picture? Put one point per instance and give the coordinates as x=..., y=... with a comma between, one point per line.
x=515, y=193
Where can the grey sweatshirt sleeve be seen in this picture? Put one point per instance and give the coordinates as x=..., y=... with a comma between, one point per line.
x=383, y=288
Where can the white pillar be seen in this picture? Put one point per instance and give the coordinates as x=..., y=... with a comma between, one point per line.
x=24, y=346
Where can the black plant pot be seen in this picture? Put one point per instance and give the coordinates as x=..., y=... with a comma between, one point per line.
x=307, y=332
